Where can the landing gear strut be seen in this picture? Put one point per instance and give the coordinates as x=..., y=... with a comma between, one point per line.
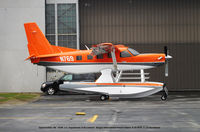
x=104, y=97
x=165, y=93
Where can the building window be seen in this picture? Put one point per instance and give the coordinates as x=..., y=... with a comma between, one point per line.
x=66, y=20
x=125, y=54
x=89, y=57
x=61, y=23
x=79, y=57
x=100, y=56
x=50, y=23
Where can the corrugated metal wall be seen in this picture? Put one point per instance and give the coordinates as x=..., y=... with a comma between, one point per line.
x=147, y=26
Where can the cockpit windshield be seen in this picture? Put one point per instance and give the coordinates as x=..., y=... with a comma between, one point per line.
x=133, y=52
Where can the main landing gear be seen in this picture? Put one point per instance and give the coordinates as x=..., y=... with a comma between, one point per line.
x=104, y=97
x=165, y=93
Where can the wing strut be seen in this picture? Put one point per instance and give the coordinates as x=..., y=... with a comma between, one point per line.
x=114, y=59
x=106, y=48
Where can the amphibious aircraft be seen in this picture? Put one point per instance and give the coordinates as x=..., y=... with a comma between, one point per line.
x=105, y=58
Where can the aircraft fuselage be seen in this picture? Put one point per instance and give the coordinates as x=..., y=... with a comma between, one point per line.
x=81, y=61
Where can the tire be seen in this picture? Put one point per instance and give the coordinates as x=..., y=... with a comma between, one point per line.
x=164, y=97
x=50, y=91
x=104, y=97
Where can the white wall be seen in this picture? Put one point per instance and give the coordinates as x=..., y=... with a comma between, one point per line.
x=17, y=75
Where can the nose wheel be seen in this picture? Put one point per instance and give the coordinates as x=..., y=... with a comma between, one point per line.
x=165, y=93
x=104, y=97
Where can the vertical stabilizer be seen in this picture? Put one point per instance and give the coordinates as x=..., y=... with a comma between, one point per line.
x=37, y=42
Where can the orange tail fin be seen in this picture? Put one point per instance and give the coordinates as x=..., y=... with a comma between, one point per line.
x=37, y=42
x=38, y=45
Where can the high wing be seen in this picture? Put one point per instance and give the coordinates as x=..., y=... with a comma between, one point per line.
x=105, y=48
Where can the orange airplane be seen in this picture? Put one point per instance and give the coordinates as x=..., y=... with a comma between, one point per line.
x=104, y=58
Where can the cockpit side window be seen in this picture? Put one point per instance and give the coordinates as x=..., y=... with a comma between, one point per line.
x=133, y=52
x=125, y=54
x=100, y=56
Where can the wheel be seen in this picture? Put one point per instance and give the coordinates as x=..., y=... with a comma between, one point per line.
x=50, y=91
x=164, y=97
x=103, y=97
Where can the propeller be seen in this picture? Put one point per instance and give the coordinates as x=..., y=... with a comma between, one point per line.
x=165, y=51
x=167, y=57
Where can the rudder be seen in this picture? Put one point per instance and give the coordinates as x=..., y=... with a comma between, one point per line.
x=37, y=42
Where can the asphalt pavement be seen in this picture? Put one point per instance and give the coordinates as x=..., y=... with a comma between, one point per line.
x=180, y=112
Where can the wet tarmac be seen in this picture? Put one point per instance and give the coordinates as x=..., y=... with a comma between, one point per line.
x=180, y=112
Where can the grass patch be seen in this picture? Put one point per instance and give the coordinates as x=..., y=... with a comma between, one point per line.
x=4, y=97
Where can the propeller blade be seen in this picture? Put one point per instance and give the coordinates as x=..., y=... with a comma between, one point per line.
x=166, y=68
x=165, y=51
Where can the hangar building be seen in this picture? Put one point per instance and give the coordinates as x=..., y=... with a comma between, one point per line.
x=145, y=25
